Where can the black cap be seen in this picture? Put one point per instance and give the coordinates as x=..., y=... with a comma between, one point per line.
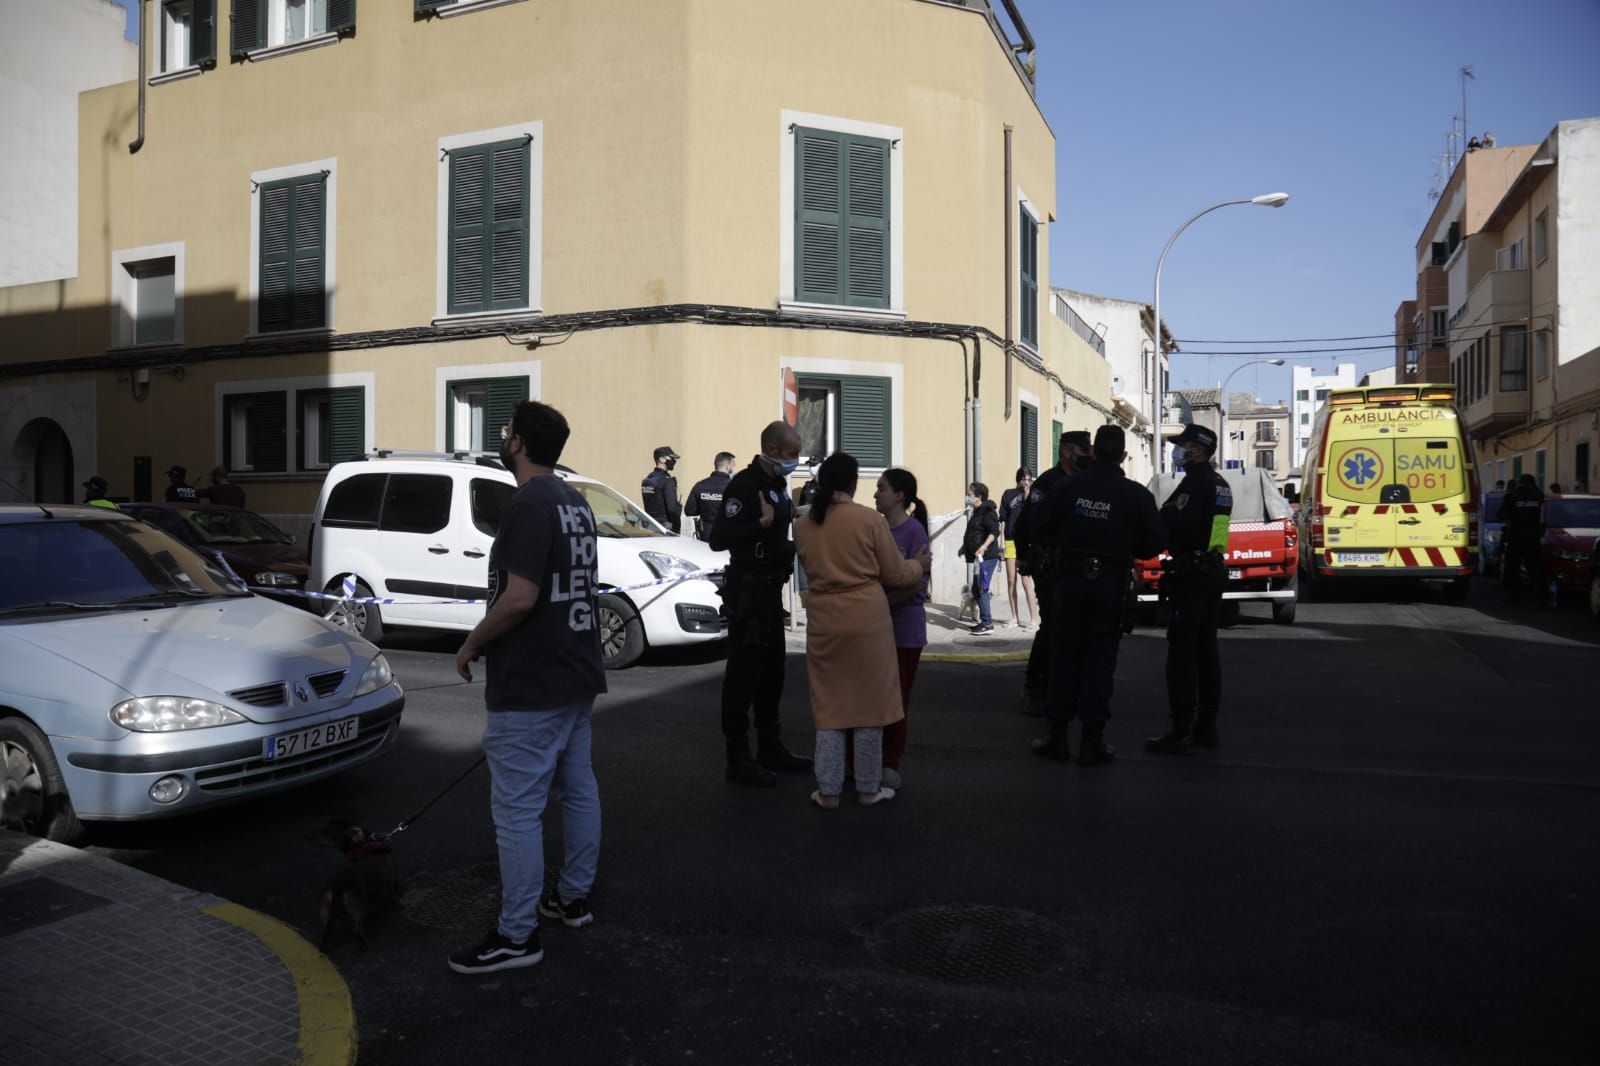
x=666, y=452
x=96, y=485
x=1080, y=437
x=1193, y=434
x=177, y=471
x=1110, y=440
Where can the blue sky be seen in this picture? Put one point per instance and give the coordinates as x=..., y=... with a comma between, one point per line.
x=1163, y=107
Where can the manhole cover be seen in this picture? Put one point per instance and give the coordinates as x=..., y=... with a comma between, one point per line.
x=972, y=944
x=468, y=898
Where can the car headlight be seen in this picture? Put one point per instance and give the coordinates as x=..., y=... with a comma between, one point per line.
x=275, y=579
x=168, y=714
x=377, y=675
x=665, y=566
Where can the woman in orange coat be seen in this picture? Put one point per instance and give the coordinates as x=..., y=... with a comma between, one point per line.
x=850, y=557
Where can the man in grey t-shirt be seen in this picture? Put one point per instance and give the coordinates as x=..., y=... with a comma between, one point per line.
x=544, y=670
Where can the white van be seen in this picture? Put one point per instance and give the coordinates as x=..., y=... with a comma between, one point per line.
x=417, y=528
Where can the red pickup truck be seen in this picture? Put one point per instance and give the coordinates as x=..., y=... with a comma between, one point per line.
x=1262, y=556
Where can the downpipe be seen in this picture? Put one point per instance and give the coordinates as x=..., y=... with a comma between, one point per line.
x=143, y=52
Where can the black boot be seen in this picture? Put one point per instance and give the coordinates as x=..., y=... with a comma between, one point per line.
x=1205, y=729
x=745, y=770
x=1095, y=750
x=772, y=755
x=1175, y=741
x=1057, y=745
x=1032, y=702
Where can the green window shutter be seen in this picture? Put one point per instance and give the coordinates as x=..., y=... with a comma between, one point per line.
x=341, y=16
x=247, y=26
x=266, y=426
x=508, y=254
x=424, y=7
x=347, y=410
x=504, y=395
x=310, y=226
x=469, y=238
x=864, y=419
x=202, y=33
x=1030, y=438
x=841, y=219
x=489, y=227
x=1055, y=443
x=293, y=289
x=276, y=289
x=867, y=223
x=1028, y=249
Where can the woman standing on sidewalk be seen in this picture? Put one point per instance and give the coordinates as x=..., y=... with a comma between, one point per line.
x=850, y=556
x=897, y=501
x=981, y=545
x=1011, y=502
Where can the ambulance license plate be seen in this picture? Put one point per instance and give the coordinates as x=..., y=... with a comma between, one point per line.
x=1235, y=575
x=1361, y=557
x=288, y=745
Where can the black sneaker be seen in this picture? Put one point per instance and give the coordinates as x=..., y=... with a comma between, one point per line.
x=498, y=953
x=980, y=628
x=573, y=915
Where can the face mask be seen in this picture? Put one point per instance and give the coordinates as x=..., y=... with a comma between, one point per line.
x=785, y=467
x=1081, y=462
x=671, y=463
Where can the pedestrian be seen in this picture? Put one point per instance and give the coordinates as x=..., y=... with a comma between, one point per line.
x=1522, y=511
x=542, y=676
x=178, y=488
x=1037, y=557
x=754, y=530
x=1011, y=502
x=1099, y=522
x=981, y=547
x=94, y=493
x=897, y=500
x=850, y=640
x=659, y=489
x=1555, y=488
x=1500, y=486
x=1192, y=582
x=705, y=499
x=221, y=491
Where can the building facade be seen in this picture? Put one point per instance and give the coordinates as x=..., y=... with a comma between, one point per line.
x=1308, y=390
x=342, y=235
x=1258, y=436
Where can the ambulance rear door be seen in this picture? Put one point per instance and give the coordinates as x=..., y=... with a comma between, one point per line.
x=1359, y=530
x=1431, y=526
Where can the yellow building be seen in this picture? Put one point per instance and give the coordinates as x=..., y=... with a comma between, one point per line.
x=332, y=230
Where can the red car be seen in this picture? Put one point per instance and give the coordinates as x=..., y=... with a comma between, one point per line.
x=1571, y=525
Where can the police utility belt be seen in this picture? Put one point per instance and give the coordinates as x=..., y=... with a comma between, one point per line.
x=1189, y=563
x=1092, y=567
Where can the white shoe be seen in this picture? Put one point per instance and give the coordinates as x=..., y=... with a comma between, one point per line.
x=883, y=795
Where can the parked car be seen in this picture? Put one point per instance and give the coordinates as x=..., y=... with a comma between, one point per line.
x=255, y=549
x=1491, y=534
x=418, y=528
x=1571, y=527
x=138, y=680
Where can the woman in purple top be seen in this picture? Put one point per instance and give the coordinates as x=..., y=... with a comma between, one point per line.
x=896, y=499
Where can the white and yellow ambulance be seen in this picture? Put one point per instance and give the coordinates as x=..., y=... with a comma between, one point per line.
x=1389, y=488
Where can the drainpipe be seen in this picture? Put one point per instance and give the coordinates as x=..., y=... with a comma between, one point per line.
x=977, y=411
x=1007, y=216
x=139, y=142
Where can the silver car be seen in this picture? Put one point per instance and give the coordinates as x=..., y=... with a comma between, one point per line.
x=138, y=680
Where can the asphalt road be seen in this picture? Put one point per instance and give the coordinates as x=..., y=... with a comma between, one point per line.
x=1392, y=859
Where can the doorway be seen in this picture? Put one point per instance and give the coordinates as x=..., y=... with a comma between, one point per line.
x=52, y=461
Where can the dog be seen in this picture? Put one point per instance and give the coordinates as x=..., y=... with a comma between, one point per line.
x=366, y=885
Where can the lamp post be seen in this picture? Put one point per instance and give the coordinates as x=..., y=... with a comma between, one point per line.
x=1157, y=393
x=1223, y=450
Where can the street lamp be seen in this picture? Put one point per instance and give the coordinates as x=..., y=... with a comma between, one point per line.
x=1271, y=199
x=1223, y=450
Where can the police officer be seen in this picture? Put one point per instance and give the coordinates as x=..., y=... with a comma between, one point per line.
x=1036, y=558
x=1099, y=522
x=705, y=499
x=659, y=489
x=94, y=493
x=179, y=490
x=1194, y=578
x=754, y=529
x=1521, y=509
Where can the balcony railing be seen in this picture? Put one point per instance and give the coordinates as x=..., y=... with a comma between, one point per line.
x=1266, y=437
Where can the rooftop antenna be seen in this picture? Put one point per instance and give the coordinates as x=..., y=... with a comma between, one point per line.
x=1466, y=76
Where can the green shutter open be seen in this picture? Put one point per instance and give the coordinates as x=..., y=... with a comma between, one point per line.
x=865, y=410
x=1030, y=438
x=247, y=28
x=504, y=395
x=266, y=427
x=347, y=410
x=1028, y=259
x=341, y=16
x=202, y=33
x=1055, y=444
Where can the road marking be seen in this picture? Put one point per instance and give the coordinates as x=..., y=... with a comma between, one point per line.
x=327, y=1019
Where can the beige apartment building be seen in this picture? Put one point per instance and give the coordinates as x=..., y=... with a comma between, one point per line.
x=1258, y=436
x=344, y=230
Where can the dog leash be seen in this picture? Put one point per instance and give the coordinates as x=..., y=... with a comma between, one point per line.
x=405, y=823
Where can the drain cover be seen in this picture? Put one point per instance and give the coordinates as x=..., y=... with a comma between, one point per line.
x=468, y=898
x=971, y=944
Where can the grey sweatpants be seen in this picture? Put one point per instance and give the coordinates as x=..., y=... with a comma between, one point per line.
x=830, y=760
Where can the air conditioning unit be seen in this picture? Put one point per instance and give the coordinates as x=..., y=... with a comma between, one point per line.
x=1118, y=386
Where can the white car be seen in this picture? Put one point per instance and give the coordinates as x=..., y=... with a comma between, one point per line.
x=417, y=528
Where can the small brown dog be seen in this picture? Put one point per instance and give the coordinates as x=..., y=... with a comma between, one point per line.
x=366, y=885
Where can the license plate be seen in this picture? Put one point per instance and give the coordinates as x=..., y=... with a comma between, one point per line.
x=1235, y=575
x=288, y=745
x=1361, y=557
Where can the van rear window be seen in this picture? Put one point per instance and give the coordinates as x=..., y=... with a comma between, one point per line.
x=1396, y=470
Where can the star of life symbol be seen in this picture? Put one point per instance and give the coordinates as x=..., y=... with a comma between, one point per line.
x=1359, y=467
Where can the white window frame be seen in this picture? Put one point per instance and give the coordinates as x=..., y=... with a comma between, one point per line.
x=534, y=130
x=823, y=368
x=466, y=7
x=124, y=293
x=292, y=387
x=1541, y=354
x=330, y=242
x=830, y=428
x=277, y=26
x=787, y=121
x=1040, y=427
x=161, y=42
x=445, y=375
x=1024, y=202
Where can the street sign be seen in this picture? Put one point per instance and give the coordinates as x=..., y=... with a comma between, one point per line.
x=791, y=397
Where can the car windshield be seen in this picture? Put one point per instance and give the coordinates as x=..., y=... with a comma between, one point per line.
x=615, y=516
x=66, y=565
x=1572, y=514
x=233, y=527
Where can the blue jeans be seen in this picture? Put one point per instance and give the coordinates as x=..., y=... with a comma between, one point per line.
x=980, y=589
x=529, y=751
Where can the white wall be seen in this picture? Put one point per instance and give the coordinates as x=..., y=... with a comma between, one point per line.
x=1304, y=377
x=52, y=50
x=1578, y=224
x=1126, y=346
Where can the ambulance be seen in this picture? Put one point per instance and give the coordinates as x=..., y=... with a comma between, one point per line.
x=1390, y=489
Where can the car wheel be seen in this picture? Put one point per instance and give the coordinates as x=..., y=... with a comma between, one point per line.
x=362, y=619
x=1594, y=592
x=1457, y=589
x=1283, y=612
x=621, y=632
x=33, y=797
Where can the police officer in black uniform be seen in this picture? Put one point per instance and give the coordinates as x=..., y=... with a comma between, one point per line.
x=1194, y=578
x=705, y=499
x=1100, y=522
x=659, y=489
x=178, y=489
x=754, y=529
x=1036, y=558
x=1521, y=509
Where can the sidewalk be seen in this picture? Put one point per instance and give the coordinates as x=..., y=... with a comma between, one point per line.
x=952, y=641
x=108, y=964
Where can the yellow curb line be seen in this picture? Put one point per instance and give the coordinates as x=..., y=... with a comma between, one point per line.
x=327, y=1020
x=975, y=657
